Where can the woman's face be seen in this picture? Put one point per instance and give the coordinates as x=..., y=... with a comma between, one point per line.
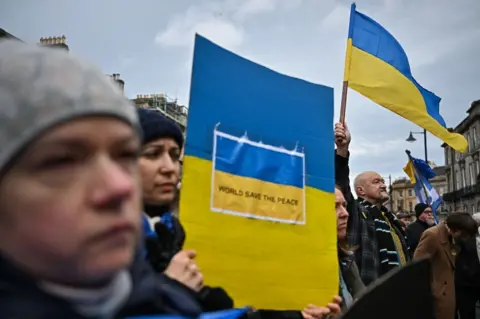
x=70, y=205
x=160, y=169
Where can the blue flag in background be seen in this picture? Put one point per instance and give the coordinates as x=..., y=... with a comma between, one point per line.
x=420, y=172
x=224, y=314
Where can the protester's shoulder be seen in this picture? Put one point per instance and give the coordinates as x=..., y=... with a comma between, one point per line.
x=414, y=226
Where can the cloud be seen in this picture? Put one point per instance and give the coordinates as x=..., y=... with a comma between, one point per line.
x=220, y=21
x=251, y=8
x=204, y=20
x=364, y=147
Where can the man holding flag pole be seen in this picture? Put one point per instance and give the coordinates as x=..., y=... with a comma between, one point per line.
x=377, y=67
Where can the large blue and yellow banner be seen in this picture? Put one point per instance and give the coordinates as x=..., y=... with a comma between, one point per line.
x=258, y=181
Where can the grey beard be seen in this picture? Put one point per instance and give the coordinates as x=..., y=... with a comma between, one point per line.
x=430, y=222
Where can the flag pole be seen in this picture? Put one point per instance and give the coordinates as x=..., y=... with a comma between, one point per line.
x=348, y=58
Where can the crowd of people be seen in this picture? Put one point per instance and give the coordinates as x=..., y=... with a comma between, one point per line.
x=89, y=228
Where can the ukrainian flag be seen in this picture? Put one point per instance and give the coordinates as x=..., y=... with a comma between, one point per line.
x=377, y=67
x=258, y=182
x=419, y=173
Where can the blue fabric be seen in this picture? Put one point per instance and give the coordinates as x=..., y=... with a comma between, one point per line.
x=241, y=158
x=167, y=220
x=148, y=231
x=224, y=314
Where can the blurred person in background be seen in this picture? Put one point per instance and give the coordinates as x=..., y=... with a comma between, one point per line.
x=467, y=276
x=424, y=221
x=70, y=195
x=441, y=244
x=405, y=218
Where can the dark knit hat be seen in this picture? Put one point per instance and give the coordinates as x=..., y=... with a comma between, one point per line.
x=155, y=125
x=420, y=208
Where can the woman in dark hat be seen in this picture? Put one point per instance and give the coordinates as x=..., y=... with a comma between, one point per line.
x=164, y=234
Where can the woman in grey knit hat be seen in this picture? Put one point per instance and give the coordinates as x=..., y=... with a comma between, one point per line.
x=70, y=196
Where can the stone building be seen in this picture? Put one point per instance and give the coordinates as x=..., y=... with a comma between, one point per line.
x=403, y=195
x=55, y=42
x=463, y=170
x=167, y=106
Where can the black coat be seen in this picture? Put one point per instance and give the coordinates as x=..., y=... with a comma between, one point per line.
x=168, y=242
x=414, y=233
x=20, y=297
x=467, y=266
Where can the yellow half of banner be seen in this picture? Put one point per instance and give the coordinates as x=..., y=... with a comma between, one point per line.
x=289, y=261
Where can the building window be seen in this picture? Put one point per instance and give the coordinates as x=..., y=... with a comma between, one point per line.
x=410, y=206
x=477, y=167
x=465, y=208
x=410, y=192
x=400, y=194
x=464, y=177
x=472, y=174
x=457, y=176
x=469, y=141
x=474, y=137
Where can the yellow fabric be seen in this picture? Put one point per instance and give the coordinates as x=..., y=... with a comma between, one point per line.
x=261, y=199
x=253, y=258
x=385, y=85
x=398, y=243
x=410, y=171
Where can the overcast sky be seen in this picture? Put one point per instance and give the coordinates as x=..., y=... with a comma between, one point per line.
x=149, y=42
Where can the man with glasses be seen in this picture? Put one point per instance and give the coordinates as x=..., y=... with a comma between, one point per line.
x=424, y=221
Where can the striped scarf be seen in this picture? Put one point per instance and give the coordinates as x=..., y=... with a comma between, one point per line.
x=391, y=248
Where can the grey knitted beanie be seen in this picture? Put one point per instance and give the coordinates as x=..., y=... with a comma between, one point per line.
x=43, y=87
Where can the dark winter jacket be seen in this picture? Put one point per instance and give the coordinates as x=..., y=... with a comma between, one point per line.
x=164, y=242
x=414, y=233
x=21, y=297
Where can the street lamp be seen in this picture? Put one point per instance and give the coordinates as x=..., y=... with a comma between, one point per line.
x=412, y=139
